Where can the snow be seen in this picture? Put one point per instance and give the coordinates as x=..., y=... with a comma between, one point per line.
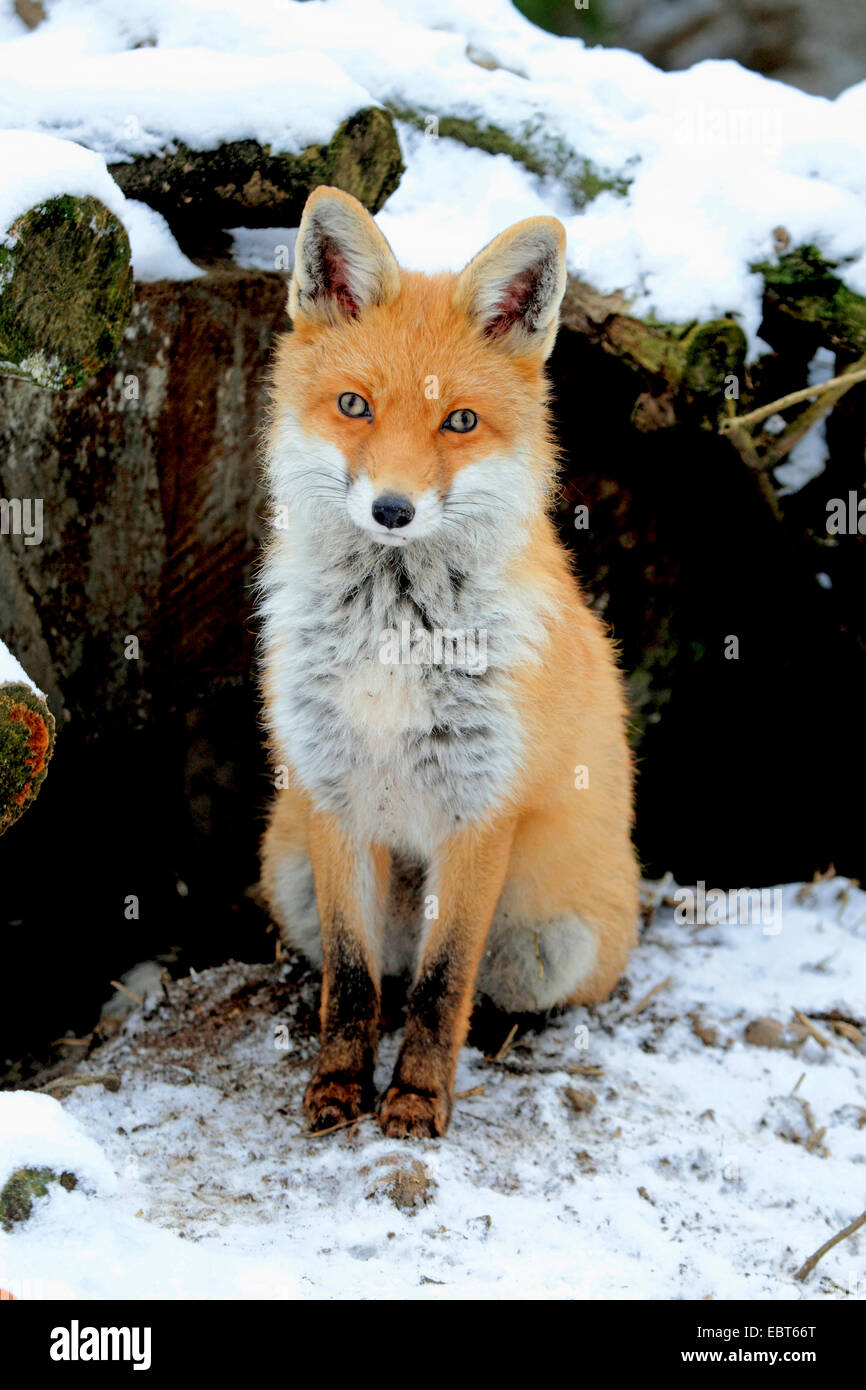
x=149, y=97
x=264, y=248
x=709, y=1167
x=37, y=1132
x=12, y=672
x=715, y=158
x=808, y=458
x=154, y=253
x=37, y=167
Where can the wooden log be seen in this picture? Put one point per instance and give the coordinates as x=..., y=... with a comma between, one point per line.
x=690, y=361
x=245, y=184
x=65, y=291
x=805, y=300
x=26, y=740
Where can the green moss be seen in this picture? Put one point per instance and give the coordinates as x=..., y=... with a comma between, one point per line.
x=585, y=185
x=23, y=1187
x=710, y=352
x=537, y=151
x=804, y=285
x=65, y=291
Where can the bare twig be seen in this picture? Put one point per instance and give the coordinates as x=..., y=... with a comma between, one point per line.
x=767, y=453
x=344, y=1124
x=806, y=1268
x=641, y=1005
x=840, y=383
x=110, y=1080
x=811, y=1029
x=136, y=998
x=506, y=1046
x=538, y=956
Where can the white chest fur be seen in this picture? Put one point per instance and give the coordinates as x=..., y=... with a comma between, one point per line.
x=400, y=745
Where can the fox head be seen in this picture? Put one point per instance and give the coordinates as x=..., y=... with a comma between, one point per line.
x=406, y=405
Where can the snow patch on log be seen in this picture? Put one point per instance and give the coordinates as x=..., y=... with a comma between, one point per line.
x=38, y=167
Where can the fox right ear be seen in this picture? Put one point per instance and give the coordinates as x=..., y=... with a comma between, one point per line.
x=342, y=261
x=513, y=288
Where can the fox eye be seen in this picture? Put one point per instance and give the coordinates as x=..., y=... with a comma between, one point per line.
x=351, y=403
x=461, y=421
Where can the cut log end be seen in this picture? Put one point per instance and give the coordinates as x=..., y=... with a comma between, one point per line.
x=26, y=746
x=65, y=291
x=364, y=158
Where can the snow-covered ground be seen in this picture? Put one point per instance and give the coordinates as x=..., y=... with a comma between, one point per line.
x=705, y=165
x=710, y=1165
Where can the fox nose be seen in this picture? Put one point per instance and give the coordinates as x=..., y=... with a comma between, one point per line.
x=392, y=511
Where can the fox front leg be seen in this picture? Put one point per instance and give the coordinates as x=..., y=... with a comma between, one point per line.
x=468, y=882
x=350, y=894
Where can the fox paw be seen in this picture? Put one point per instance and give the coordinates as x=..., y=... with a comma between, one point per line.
x=409, y=1115
x=332, y=1100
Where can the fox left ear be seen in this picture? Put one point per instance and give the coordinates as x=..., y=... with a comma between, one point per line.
x=342, y=261
x=514, y=287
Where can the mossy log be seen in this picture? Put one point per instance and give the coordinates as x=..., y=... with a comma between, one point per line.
x=26, y=745
x=245, y=184
x=805, y=301
x=65, y=291
x=688, y=361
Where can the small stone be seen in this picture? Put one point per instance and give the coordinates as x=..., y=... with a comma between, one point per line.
x=768, y=1032
x=409, y=1184
x=580, y=1099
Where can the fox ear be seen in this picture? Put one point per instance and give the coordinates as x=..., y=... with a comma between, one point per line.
x=342, y=261
x=513, y=287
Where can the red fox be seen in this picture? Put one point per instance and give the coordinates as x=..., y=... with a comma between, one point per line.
x=465, y=819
